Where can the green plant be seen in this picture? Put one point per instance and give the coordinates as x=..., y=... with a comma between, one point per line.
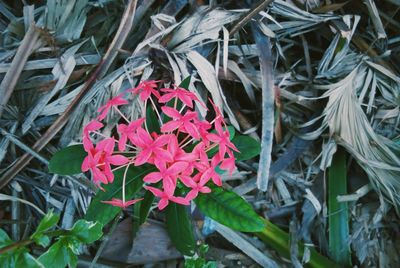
x=62, y=252
x=178, y=154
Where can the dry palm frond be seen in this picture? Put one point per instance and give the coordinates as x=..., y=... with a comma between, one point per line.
x=66, y=18
x=299, y=21
x=348, y=124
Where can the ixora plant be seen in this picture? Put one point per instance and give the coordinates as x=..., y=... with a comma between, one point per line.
x=172, y=154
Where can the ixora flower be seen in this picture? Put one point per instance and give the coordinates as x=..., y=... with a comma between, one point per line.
x=121, y=203
x=186, y=153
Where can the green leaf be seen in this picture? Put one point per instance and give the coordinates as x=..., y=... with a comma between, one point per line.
x=42, y=240
x=229, y=209
x=247, y=146
x=136, y=219
x=338, y=211
x=145, y=206
x=7, y=260
x=48, y=221
x=68, y=161
x=87, y=232
x=200, y=263
x=180, y=229
x=26, y=260
x=4, y=239
x=60, y=254
x=185, y=83
x=104, y=213
x=152, y=122
x=141, y=210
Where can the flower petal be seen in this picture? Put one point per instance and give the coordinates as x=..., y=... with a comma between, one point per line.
x=170, y=126
x=192, y=195
x=153, y=177
x=85, y=164
x=117, y=160
x=179, y=200
x=188, y=181
x=171, y=112
x=177, y=167
x=157, y=192
x=163, y=203
x=142, y=157
x=165, y=98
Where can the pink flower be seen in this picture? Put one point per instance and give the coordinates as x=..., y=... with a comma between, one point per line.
x=145, y=89
x=183, y=122
x=228, y=163
x=127, y=132
x=103, y=110
x=100, y=159
x=177, y=153
x=92, y=126
x=87, y=144
x=120, y=203
x=150, y=148
x=196, y=187
x=222, y=138
x=184, y=95
x=91, y=163
x=165, y=197
x=168, y=175
x=204, y=127
x=210, y=172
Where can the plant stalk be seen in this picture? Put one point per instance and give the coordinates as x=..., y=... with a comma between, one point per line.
x=279, y=240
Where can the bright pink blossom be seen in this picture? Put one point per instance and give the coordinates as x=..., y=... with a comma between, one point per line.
x=120, y=203
x=168, y=175
x=210, y=172
x=180, y=151
x=196, y=187
x=145, y=89
x=92, y=126
x=127, y=132
x=184, y=95
x=165, y=197
x=185, y=123
x=150, y=148
x=228, y=163
x=103, y=110
x=222, y=138
x=177, y=153
x=204, y=128
x=100, y=159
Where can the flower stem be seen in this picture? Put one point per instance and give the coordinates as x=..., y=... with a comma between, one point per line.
x=211, y=147
x=183, y=107
x=188, y=136
x=155, y=109
x=122, y=115
x=124, y=179
x=187, y=143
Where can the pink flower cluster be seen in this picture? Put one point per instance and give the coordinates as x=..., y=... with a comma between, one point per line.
x=179, y=151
